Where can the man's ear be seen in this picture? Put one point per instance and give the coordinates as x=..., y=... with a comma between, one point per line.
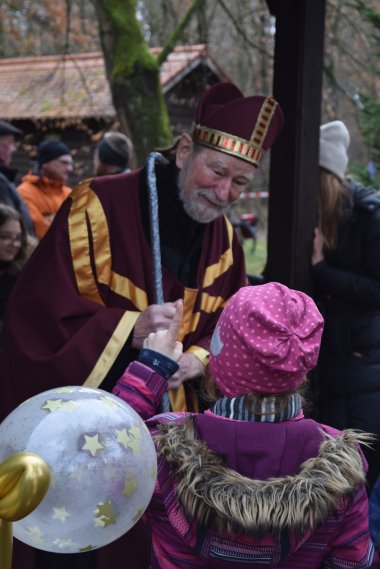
x=185, y=146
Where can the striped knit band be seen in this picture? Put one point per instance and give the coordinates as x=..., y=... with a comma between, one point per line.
x=269, y=410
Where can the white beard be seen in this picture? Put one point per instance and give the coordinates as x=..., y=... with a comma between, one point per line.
x=194, y=204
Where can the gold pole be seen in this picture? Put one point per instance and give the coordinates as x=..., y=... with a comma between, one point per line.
x=24, y=481
x=6, y=544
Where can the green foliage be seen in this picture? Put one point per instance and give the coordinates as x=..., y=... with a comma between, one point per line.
x=360, y=173
x=369, y=108
x=366, y=12
x=369, y=114
x=256, y=259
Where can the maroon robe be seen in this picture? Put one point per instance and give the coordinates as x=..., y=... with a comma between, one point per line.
x=75, y=305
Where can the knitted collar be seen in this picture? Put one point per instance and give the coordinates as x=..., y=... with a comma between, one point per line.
x=244, y=409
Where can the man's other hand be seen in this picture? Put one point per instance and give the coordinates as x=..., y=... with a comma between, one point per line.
x=189, y=368
x=156, y=317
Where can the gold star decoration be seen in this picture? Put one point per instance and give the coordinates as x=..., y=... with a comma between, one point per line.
x=36, y=534
x=63, y=543
x=98, y=523
x=109, y=401
x=64, y=390
x=135, y=432
x=105, y=514
x=88, y=548
x=60, y=514
x=109, y=521
x=69, y=406
x=130, y=486
x=136, y=439
x=130, y=439
x=52, y=405
x=105, y=509
x=92, y=444
x=122, y=437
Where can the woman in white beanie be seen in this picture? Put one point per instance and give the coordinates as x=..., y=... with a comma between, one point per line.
x=346, y=268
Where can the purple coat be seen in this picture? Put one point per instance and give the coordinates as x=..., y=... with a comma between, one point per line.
x=285, y=495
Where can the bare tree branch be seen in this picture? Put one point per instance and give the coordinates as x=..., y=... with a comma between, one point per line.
x=240, y=30
x=168, y=47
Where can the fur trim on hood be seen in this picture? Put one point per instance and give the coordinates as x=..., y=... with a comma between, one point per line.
x=210, y=492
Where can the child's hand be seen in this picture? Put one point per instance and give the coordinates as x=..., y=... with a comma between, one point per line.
x=165, y=341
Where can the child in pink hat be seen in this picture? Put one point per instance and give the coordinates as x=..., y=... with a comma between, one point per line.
x=251, y=482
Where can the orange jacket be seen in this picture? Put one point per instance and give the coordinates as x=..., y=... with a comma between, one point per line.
x=43, y=197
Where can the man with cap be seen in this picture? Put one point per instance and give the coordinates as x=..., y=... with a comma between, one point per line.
x=97, y=258
x=101, y=260
x=44, y=191
x=112, y=154
x=8, y=194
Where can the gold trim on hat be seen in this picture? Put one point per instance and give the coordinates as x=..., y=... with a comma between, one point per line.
x=250, y=151
x=263, y=121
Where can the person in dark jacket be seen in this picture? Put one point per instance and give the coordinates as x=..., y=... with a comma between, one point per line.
x=8, y=193
x=346, y=268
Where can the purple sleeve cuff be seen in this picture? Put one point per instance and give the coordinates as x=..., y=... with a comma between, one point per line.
x=155, y=382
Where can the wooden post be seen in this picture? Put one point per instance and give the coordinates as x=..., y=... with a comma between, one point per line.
x=294, y=172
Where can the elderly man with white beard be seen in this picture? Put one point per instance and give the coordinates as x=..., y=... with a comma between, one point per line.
x=87, y=300
x=100, y=258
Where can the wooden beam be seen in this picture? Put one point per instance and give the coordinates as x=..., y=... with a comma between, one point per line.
x=276, y=7
x=294, y=171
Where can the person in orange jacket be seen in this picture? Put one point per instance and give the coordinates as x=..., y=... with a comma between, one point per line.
x=43, y=192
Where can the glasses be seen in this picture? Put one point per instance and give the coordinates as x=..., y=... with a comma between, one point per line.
x=10, y=238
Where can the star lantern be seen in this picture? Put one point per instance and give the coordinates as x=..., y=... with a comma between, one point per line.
x=102, y=464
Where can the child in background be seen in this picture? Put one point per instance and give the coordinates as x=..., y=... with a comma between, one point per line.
x=251, y=482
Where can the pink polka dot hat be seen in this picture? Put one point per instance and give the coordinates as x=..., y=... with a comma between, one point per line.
x=266, y=340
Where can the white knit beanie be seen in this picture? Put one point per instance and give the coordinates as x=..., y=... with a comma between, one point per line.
x=334, y=140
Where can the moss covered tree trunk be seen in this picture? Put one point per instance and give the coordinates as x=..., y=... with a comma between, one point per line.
x=134, y=77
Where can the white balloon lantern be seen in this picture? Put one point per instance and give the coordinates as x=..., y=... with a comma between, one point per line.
x=102, y=461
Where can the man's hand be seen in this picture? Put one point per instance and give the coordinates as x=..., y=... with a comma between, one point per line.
x=189, y=367
x=165, y=341
x=156, y=317
x=317, y=254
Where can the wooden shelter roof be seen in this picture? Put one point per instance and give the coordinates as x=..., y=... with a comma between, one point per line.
x=75, y=85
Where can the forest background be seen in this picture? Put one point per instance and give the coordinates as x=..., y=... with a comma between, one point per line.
x=240, y=35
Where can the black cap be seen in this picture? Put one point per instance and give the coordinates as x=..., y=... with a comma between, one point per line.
x=6, y=128
x=50, y=150
x=109, y=155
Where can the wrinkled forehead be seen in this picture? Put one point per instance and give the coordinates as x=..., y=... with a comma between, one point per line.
x=233, y=164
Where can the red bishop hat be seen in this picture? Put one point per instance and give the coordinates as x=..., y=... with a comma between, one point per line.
x=244, y=127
